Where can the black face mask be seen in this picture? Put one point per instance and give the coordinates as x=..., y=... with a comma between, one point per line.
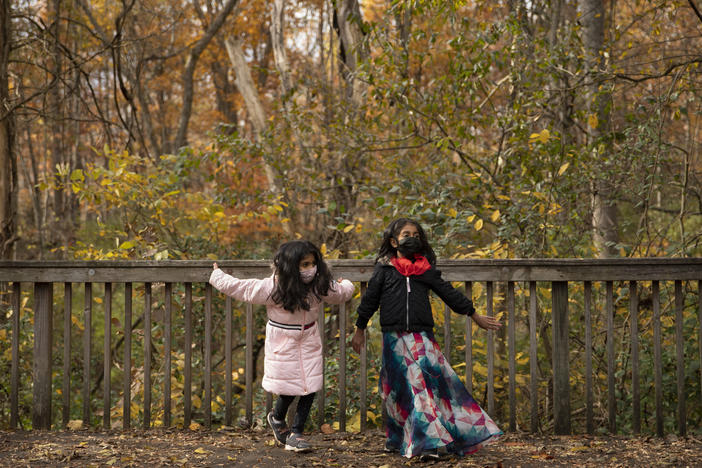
x=408, y=246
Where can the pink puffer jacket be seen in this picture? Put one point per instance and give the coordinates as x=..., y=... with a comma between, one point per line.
x=293, y=358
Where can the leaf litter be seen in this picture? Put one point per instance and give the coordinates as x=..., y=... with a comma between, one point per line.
x=256, y=448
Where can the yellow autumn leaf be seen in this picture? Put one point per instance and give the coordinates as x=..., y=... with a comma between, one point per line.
x=592, y=121
x=349, y=227
x=563, y=168
x=201, y=450
x=194, y=426
x=479, y=225
x=495, y=215
x=323, y=249
x=452, y=212
x=470, y=218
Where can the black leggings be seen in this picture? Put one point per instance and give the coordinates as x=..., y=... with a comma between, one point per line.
x=303, y=410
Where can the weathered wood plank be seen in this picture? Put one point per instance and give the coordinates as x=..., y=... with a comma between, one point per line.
x=490, y=352
x=249, y=364
x=147, y=355
x=680, y=358
x=699, y=333
x=589, y=397
x=634, y=325
x=208, y=356
x=447, y=333
x=511, y=344
x=657, y=356
x=14, y=370
x=66, y=385
x=127, y=387
x=342, y=367
x=87, y=351
x=469, y=342
x=639, y=269
x=611, y=397
x=561, y=371
x=321, y=396
x=41, y=373
x=533, y=359
x=107, y=356
x=228, y=361
x=188, y=380
x=168, y=305
x=363, y=407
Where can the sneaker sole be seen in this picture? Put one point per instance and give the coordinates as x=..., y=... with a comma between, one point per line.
x=297, y=449
x=275, y=433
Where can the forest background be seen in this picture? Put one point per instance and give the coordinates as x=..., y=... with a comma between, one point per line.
x=146, y=129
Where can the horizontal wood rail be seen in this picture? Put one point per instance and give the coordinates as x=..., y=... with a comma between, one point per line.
x=496, y=277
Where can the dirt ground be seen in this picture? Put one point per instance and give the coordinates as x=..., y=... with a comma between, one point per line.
x=256, y=448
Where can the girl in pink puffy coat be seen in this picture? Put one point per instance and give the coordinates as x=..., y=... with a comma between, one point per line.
x=301, y=281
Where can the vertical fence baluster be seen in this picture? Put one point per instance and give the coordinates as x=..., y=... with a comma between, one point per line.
x=533, y=356
x=589, y=417
x=511, y=342
x=364, y=374
x=447, y=333
x=187, y=385
x=228, y=361
x=680, y=357
x=41, y=376
x=469, y=342
x=147, y=355
x=490, y=353
x=249, y=363
x=699, y=332
x=342, y=367
x=657, y=353
x=208, y=355
x=636, y=395
x=611, y=397
x=87, y=345
x=321, y=398
x=66, y=387
x=168, y=299
x=561, y=372
x=127, y=390
x=107, y=356
x=14, y=372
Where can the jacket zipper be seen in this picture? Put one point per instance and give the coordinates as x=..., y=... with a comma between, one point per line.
x=409, y=289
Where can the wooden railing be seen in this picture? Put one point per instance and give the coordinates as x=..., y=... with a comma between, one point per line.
x=504, y=275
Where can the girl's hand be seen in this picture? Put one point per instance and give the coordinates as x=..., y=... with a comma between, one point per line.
x=340, y=280
x=486, y=322
x=358, y=339
x=214, y=266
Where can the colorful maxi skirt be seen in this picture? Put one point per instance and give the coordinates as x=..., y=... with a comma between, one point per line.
x=427, y=404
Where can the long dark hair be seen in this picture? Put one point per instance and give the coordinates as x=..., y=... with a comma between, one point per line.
x=290, y=291
x=393, y=230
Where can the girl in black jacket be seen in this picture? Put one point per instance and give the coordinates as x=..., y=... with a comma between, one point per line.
x=428, y=406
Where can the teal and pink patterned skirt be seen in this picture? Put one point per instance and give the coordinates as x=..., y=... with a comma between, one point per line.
x=427, y=404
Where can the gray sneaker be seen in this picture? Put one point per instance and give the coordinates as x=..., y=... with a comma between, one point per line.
x=296, y=443
x=280, y=430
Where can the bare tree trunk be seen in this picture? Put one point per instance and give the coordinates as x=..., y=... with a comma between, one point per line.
x=189, y=72
x=248, y=91
x=8, y=157
x=352, y=50
x=604, y=209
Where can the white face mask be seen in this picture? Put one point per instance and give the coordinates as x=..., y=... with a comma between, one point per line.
x=308, y=275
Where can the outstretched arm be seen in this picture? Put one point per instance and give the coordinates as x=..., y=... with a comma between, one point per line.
x=486, y=322
x=255, y=291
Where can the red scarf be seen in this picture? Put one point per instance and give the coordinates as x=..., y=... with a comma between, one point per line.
x=408, y=268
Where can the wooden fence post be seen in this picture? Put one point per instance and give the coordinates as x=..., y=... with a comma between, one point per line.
x=561, y=381
x=43, y=302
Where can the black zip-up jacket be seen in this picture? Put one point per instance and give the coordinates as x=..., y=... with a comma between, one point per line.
x=404, y=300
